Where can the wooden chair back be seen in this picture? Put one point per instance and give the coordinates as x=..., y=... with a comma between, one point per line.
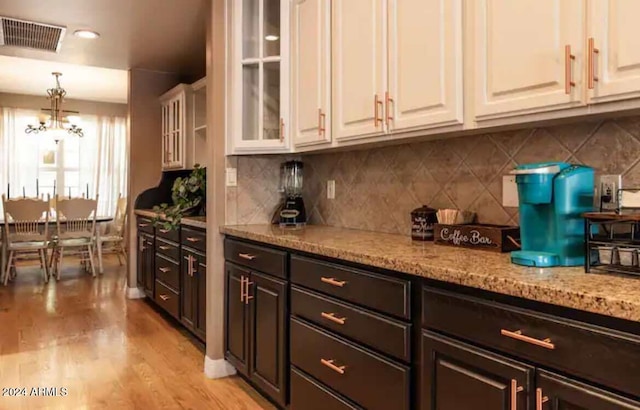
x=26, y=219
x=76, y=217
x=120, y=218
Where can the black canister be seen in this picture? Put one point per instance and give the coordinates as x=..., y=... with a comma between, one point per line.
x=422, y=221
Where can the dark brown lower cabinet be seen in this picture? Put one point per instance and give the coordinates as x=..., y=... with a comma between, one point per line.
x=555, y=392
x=146, y=265
x=193, y=292
x=457, y=376
x=255, y=329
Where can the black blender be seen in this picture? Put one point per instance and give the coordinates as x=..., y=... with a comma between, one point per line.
x=292, y=212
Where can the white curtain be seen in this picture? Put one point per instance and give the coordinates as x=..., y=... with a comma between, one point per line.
x=94, y=164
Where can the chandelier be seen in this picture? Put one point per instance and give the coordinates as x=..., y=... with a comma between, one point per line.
x=55, y=127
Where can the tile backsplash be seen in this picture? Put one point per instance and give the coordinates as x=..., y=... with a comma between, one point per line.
x=377, y=188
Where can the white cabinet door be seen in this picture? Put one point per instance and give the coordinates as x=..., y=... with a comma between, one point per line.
x=173, y=132
x=359, y=62
x=425, y=63
x=311, y=72
x=521, y=65
x=615, y=56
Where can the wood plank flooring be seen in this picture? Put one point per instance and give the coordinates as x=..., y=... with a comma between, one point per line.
x=82, y=334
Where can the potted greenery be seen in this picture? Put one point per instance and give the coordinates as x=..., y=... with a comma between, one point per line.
x=189, y=198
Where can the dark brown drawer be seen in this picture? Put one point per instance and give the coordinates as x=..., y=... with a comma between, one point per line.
x=308, y=394
x=167, y=299
x=168, y=272
x=256, y=257
x=360, y=375
x=194, y=238
x=168, y=249
x=172, y=235
x=378, y=292
x=593, y=353
x=145, y=225
x=378, y=332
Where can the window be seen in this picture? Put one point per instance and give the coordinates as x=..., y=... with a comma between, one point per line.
x=31, y=164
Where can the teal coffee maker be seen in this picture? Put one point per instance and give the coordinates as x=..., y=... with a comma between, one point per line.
x=552, y=197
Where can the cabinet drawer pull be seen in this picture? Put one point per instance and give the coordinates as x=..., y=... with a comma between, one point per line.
x=515, y=389
x=247, y=256
x=164, y=247
x=165, y=297
x=165, y=230
x=330, y=365
x=332, y=317
x=568, y=62
x=192, y=239
x=334, y=281
x=540, y=399
x=164, y=270
x=546, y=343
x=142, y=225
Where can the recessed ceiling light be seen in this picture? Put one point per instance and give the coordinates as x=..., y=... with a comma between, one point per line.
x=86, y=34
x=272, y=37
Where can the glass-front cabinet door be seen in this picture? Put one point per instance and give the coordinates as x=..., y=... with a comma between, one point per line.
x=260, y=76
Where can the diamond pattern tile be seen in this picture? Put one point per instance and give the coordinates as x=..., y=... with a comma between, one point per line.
x=377, y=188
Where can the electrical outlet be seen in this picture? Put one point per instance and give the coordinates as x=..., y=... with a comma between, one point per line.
x=232, y=176
x=331, y=189
x=509, y=191
x=607, y=191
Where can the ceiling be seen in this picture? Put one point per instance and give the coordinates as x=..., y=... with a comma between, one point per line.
x=159, y=35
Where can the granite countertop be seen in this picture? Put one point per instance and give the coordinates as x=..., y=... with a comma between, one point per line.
x=193, y=221
x=612, y=295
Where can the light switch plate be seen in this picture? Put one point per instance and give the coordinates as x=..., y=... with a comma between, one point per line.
x=331, y=189
x=232, y=176
x=509, y=191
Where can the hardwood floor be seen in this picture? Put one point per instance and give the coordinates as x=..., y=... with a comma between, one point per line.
x=82, y=334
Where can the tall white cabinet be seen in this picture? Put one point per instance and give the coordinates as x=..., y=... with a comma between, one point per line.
x=613, y=50
x=527, y=56
x=310, y=72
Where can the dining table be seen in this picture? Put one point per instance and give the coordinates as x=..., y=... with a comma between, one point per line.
x=52, y=222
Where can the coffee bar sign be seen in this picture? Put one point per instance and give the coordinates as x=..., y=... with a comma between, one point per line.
x=496, y=238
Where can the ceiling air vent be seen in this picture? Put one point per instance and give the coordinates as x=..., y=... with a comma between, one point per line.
x=29, y=34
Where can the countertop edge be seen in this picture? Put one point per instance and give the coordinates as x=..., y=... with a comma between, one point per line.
x=579, y=300
x=186, y=220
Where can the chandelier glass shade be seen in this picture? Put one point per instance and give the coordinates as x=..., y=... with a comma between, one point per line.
x=55, y=126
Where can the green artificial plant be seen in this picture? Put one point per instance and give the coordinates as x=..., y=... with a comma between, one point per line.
x=188, y=195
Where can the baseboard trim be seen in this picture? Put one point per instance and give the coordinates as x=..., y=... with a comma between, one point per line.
x=135, y=293
x=216, y=369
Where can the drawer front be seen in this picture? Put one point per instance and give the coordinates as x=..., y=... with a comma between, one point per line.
x=167, y=299
x=168, y=272
x=592, y=353
x=355, y=323
x=377, y=292
x=194, y=238
x=172, y=235
x=256, y=257
x=168, y=249
x=145, y=225
x=308, y=394
x=361, y=376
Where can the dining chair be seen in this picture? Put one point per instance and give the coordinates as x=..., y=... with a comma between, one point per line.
x=26, y=231
x=115, y=234
x=75, y=228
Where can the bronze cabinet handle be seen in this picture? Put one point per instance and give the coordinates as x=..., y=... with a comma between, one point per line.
x=192, y=239
x=142, y=225
x=141, y=243
x=388, y=101
x=164, y=270
x=281, y=129
x=593, y=51
x=517, y=334
x=377, y=104
x=242, y=279
x=332, y=317
x=247, y=297
x=330, y=364
x=568, y=58
x=165, y=230
x=321, y=122
x=540, y=399
x=165, y=297
x=515, y=389
x=163, y=247
x=247, y=256
x=333, y=281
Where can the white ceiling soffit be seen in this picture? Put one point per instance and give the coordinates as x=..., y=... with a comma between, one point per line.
x=33, y=77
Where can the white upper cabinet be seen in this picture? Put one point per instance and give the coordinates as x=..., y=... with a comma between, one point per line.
x=359, y=62
x=425, y=64
x=613, y=50
x=175, y=127
x=528, y=56
x=259, y=76
x=311, y=72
